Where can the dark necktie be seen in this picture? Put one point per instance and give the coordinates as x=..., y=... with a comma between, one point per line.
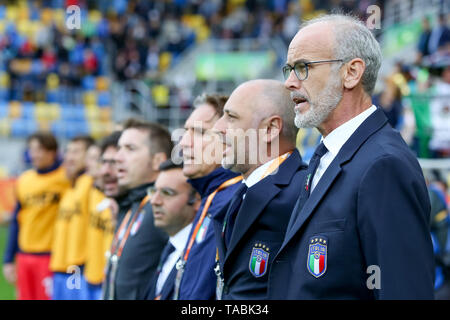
x=235, y=204
x=168, y=249
x=306, y=188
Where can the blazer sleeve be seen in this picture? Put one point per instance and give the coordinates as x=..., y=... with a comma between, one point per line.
x=393, y=214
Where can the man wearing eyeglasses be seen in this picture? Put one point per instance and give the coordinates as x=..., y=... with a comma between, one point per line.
x=360, y=229
x=137, y=243
x=174, y=203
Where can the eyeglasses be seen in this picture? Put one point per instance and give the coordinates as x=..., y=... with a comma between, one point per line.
x=165, y=192
x=301, y=68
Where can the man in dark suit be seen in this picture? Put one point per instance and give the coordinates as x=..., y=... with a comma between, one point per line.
x=250, y=230
x=137, y=244
x=360, y=229
x=174, y=204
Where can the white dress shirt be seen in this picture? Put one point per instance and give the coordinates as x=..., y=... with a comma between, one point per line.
x=258, y=174
x=336, y=139
x=179, y=241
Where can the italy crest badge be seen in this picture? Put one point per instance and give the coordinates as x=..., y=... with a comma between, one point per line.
x=317, y=256
x=259, y=260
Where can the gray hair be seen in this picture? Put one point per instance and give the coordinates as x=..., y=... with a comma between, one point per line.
x=354, y=40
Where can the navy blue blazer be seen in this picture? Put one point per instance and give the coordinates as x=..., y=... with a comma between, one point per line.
x=258, y=231
x=364, y=231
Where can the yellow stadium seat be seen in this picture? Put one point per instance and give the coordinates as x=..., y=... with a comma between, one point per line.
x=11, y=13
x=44, y=125
x=52, y=81
x=105, y=114
x=54, y=111
x=24, y=27
x=47, y=16
x=2, y=26
x=42, y=111
x=4, y=80
x=90, y=98
x=5, y=127
x=160, y=95
x=99, y=129
x=92, y=112
x=15, y=109
x=59, y=17
x=202, y=33
x=164, y=61
x=23, y=13
x=95, y=16
x=102, y=83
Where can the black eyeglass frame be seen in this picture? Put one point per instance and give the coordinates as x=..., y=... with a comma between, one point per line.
x=288, y=67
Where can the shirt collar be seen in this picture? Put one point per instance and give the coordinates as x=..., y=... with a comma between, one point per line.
x=258, y=174
x=53, y=167
x=209, y=183
x=339, y=136
x=180, y=238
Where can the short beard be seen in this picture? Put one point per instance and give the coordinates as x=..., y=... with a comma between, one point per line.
x=320, y=109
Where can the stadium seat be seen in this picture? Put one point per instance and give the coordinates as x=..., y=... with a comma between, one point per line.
x=15, y=109
x=92, y=112
x=104, y=99
x=88, y=82
x=22, y=128
x=28, y=110
x=90, y=97
x=102, y=84
x=4, y=110
x=5, y=127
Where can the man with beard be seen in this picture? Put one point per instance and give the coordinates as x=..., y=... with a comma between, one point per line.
x=137, y=243
x=260, y=137
x=196, y=279
x=360, y=229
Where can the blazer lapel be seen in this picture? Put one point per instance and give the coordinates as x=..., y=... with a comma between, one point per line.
x=256, y=198
x=259, y=195
x=371, y=125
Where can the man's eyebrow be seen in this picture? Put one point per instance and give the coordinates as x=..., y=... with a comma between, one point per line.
x=299, y=60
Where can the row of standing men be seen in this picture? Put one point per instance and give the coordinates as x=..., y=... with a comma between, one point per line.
x=253, y=221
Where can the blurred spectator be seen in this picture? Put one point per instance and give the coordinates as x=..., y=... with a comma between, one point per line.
x=440, y=36
x=390, y=101
x=440, y=115
x=424, y=39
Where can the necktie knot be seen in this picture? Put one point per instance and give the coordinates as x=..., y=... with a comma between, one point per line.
x=168, y=249
x=320, y=150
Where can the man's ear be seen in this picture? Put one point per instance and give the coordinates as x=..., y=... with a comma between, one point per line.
x=272, y=127
x=354, y=70
x=157, y=159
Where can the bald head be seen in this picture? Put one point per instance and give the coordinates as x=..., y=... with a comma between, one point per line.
x=264, y=98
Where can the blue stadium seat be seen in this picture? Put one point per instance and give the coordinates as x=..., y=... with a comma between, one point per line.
x=28, y=110
x=104, y=99
x=22, y=128
x=4, y=109
x=53, y=96
x=75, y=128
x=88, y=83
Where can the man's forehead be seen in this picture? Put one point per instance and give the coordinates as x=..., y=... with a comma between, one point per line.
x=173, y=178
x=202, y=116
x=133, y=136
x=312, y=42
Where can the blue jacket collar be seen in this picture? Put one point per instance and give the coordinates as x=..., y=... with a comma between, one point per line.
x=53, y=167
x=209, y=183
